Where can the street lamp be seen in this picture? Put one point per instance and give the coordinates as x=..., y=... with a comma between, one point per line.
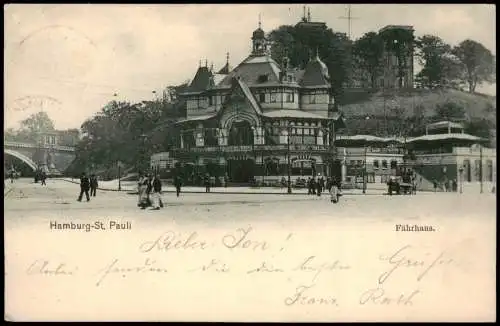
x=461, y=171
x=364, y=167
x=289, y=189
x=143, y=159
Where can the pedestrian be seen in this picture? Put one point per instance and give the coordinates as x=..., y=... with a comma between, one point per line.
x=84, y=187
x=177, y=184
x=454, y=185
x=309, y=186
x=435, y=184
x=313, y=185
x=149, y=188
x=207, y=182
x=333, y=188
x=322, y=184
x=156, y=195
x=318, y=188
x=93, y=185
x=11, y=176
x=44, y=177
x=142, y=187
x=226, y=179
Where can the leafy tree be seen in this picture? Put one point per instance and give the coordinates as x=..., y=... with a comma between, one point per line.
x=439, y=67
x=479, y=127
x=300, y=43
x=369, y=50
x=37, y=122
x=450, y=111
x=477, y=61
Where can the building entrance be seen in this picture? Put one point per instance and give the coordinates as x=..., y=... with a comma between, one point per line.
x=241, y=170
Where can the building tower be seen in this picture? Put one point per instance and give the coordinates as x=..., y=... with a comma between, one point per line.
x=259, y=41
x=398, y=57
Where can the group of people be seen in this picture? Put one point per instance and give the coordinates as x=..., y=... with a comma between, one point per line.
x=315, y=187
x=150, y=192
x=87, y=184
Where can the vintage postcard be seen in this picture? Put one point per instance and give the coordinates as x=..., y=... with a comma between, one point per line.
x=250, y=162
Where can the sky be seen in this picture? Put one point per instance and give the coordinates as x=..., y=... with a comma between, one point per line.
x=70, y=60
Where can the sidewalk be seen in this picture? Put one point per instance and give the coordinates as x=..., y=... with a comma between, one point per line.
x=131, y=188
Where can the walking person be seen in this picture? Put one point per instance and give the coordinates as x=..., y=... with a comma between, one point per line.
x=435, y=184
x=84, y=187
x=321, y=184
x=93, y=185
x=207, y=182
x=156, y=195
x=43, y=178
x=309, y=186
x=177, y=184
x=142, y=187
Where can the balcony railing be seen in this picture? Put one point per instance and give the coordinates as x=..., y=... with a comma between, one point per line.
x=249, y=148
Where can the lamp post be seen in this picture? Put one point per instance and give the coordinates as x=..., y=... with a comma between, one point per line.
x=143, y=158
x=364, y=170
x=119, y=176
x=481, y=168
x=461, y=171
x=289, y=189
x=365, y=148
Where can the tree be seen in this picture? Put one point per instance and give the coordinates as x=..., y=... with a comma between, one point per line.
x=37, y=122
x=450, y=111
x=439, y=67
x=477, y=61
x=369, y=50
x=300, y=44
x=479, y=127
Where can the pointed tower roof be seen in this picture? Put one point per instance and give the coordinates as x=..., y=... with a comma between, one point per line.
x=201, y=81
x=316, y=73
x=226, y=69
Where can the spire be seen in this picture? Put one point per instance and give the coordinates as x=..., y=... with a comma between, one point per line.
x=211, y=66
x=304, y=14
x=260, y=21
x=308, y=14
x=206, y=63
x=227, y=57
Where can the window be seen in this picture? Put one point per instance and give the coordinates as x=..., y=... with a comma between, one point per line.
x=384, y=164
x=360, y=162
x=210, y=100
x=375, y=164
x=262, y=79
x=273, y=97
x=312, y=99
x=262, y=97
x=394, y=164
x=290, y=79
x=489, y=170
x=289, y=97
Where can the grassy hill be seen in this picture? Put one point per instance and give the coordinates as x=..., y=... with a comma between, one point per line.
x=386, y=109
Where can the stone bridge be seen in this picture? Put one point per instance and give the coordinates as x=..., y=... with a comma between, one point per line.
x=51, y=158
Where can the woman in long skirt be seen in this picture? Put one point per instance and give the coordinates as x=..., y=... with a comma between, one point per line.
x=143, y=193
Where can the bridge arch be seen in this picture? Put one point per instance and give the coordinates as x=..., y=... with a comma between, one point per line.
x=22, y=157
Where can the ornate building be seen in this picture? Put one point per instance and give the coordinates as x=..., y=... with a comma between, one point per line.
x=260, y=121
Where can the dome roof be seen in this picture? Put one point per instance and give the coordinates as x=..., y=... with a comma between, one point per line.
x=258, y=33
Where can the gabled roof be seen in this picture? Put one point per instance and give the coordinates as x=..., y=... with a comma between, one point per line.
x=248, y=94
x=291, y=114
x=201, y=80
x=251, y=69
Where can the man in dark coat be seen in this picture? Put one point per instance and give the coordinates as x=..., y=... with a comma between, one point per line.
x=44, y=177
x=207, y=182
x=156, y=196
x=84, y=187
x=93, y=185
x=177, y=184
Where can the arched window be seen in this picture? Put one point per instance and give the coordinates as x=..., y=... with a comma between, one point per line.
x=241, y=133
